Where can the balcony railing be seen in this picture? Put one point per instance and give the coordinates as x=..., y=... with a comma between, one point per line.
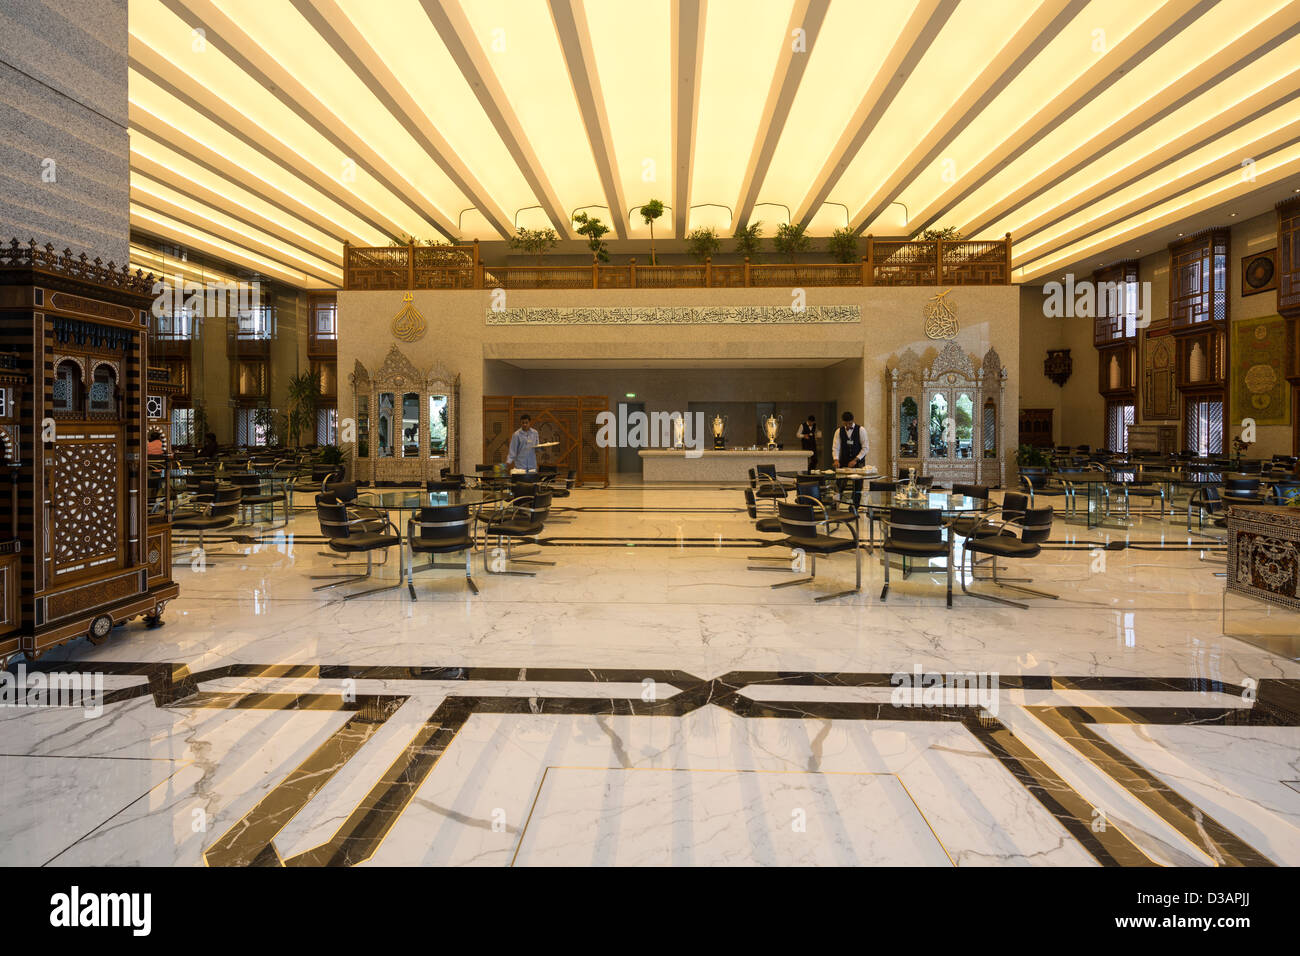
x=888, y=262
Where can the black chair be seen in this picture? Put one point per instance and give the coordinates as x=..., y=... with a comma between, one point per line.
x=220, y=512
x=521, y=520
x=766, y=488
x=872, y=517
x=315, y=482
x=1035, y=528
x=561, y=486
x=1037, y=483
x=1286, y=492
x=441, y=531
x=1133, y=488
x=799, y=522
x=1205, y=500
x=346, y=532
x=763, y=525
x=916, y=533
x=250, y=483
x=1243, y=491
x=966, y=525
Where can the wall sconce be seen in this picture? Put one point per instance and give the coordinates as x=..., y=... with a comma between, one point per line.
x=1058, y=366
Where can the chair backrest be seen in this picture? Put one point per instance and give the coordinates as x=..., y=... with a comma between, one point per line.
x=1014, y=505
x=1036, y=525
x=435, y=484
x=537, y=505
x=1036, y=478
x=916, y=525
x=441, y=524
x=753, y=477
x=971, y=491
x=797, y=520
x=751, y=504
x=323, y=472
x=225, y=501
x=767, y=471
x=808, y=489
x=1241, y=487
x=249, y=483
x=332, y=516
x=1285, y=492
x=882, y=486
x=342, y=490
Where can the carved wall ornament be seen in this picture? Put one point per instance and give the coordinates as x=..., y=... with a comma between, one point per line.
x=940, y=317
x=698, y=315
x=1058, y=366
x=408, y=324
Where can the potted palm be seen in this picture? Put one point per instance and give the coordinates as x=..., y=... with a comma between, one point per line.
x=649, y=213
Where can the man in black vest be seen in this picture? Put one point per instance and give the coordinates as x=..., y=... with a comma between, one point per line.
x=850, y=446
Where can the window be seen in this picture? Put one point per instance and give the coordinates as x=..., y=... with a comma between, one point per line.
x=253, y=426
x=1198, y=279
x=176, y=326
x=1118, y=303
x=1119, y=416
x=67, y=387
x=1203, y=426
x=103, y=389
x=324, y=320
x=183, y=427
x=327, y=426
x=254, y=323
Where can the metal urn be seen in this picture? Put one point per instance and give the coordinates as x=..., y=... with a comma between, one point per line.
x=772, y=428
x=720, y=431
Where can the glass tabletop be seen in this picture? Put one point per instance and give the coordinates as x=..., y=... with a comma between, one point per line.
x=948, y=503
x=411, y=500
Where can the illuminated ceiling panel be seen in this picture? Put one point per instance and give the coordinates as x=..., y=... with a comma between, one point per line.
x=289, y=126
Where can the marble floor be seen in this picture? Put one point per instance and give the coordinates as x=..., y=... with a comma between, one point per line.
x=649, y=699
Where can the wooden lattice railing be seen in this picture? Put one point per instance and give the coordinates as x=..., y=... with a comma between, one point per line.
x=888, y=262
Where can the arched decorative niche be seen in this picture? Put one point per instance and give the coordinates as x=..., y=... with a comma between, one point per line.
x=946, y=419
x=406, y=420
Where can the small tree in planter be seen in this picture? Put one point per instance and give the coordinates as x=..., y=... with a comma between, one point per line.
x=702, y=243
x=534, y=242
x=593, y=229
x=749, y=241
x=791, y=239
x=649, y=213
x=843, y=245
x=304, y=391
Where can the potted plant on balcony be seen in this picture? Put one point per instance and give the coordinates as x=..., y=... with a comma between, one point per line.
x=843, y=245
x=649, y=213
x=593, y=229
x=534, y=242
x=791, y=239
x=749, y=241
x=702, y=244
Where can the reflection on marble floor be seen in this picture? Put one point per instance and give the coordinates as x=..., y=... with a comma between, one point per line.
x=649, y=700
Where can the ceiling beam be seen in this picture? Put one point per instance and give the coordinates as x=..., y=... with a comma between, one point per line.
x=1231, y=186
x=145, y=219
x=183, y=88
x=575, y=42
x=351, y=46
x=687, y=62
x=807, y=16
x=458, y=37
x=1156, y=106
x=913, y=41
x=191, y=216
x=155, y=129
x=1152, y=34
x=195, y=192
x=1044, y=25
x=242, y=49
x=1216, y=127
x=1094, y=220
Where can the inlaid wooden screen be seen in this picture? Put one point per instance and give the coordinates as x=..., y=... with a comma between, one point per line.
x=569, y=420
x=1288, y=257
x=1117, y=303
x=1198, y=279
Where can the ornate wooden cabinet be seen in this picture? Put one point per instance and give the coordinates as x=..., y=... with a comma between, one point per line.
x=80, y=329
x=13, y=385
x=946, y=420
x=407, y=428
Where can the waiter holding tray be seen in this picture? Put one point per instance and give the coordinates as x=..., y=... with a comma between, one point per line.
x=523, y=447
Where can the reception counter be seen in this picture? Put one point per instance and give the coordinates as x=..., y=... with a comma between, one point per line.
x=730, y=466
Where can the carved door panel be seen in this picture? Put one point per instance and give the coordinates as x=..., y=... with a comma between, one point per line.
x=87, y=524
